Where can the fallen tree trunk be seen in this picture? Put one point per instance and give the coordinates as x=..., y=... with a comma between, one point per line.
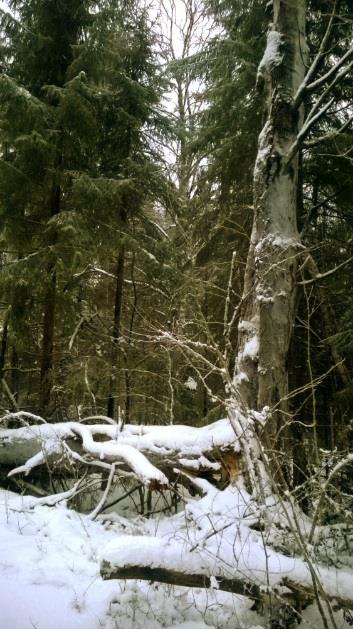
x=155, y=454
x=286, y=591
x=174, y=577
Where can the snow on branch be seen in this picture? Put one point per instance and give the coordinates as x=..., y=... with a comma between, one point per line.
x=44, y=443
x=146, y=450
x=163, y=562
x=114, y=450
x=29, y=502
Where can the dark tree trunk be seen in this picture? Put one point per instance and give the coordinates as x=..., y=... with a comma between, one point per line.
x=4, y=346
x=46, y=367
x=14, y=374
x=116, y=333
x=126, y=418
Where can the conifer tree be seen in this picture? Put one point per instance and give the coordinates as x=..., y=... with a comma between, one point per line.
x=46, y=119
x=79, y=145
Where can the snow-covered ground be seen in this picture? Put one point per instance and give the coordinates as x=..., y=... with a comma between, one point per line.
x=49, y=579
x=49, y=574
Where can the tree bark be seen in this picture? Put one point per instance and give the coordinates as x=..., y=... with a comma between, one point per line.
x=46, y=367
x=174, y=577
x=268, y=314
x=116, y=333
x=298, y=598
x=3, y=348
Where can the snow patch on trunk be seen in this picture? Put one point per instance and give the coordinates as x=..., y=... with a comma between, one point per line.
x=272, y=55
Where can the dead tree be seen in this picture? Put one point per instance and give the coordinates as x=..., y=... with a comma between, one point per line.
x=276, y=252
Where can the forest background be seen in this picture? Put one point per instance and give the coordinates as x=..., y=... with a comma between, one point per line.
x=126, y=220
x=128, y=199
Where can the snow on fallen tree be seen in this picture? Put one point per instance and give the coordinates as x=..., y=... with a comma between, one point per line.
x=218, y=546
x=227, y=540
x=152, y=453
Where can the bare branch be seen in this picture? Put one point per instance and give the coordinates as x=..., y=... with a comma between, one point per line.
x=320, y=276
x=321, y=53
x=333, y=71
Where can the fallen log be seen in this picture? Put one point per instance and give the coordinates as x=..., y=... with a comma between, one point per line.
x=299, y=596
x=152, y=453
x=173, y=577
x=166, y=561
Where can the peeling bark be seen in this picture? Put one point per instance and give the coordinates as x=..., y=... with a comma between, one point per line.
x=268, y=314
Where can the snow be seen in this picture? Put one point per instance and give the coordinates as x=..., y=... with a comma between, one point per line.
x=191, y=384
x=113, y=450
x=250, y=351
x=217, y=539
x=49, y=567
x=192, y=625
x=189, y=440
x=49, y=448
x=251, y=348
x=246, y=326
x=196, y=464
x=272, y=55
x=49, y=579
x=240, y=377
x=128, y=444
x=277, y=240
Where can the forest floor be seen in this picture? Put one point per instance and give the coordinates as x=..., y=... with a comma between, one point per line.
x=49, y=577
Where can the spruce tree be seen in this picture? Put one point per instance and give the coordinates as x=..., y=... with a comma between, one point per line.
x=77, y=169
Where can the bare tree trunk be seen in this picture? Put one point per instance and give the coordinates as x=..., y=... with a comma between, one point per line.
x=269, y=290
x=3, y=347
x=128, y=400
x=3, y=351
x=116, y=333
x=297, y=596
x=46, y=367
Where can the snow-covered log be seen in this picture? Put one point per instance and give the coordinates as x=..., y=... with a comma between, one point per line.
x=216, y=544
x=186, y=579
x=288, y=592
x=152, y=453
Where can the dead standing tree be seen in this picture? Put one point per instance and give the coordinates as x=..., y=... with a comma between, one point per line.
x=265, y=328
x=276, y=251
